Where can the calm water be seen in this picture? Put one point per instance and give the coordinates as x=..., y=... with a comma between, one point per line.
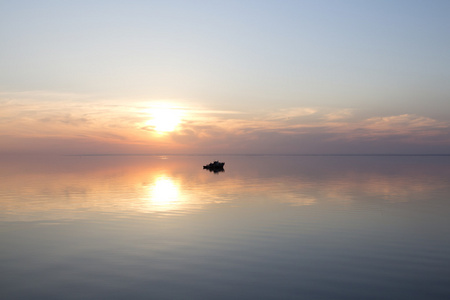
x=266, y=228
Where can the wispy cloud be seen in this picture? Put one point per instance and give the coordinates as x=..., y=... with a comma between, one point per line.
x=287, y=130
x=322, y=126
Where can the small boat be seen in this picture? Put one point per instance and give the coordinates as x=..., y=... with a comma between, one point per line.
x=214, y=166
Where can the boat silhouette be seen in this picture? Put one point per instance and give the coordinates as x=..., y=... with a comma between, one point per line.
x=215, y=166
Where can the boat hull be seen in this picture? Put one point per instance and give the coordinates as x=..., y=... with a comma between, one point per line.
x=214, y=166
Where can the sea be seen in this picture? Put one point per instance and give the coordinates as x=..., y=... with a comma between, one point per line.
x=266, y=227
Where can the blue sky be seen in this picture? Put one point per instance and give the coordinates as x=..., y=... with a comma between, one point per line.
x=360, y=60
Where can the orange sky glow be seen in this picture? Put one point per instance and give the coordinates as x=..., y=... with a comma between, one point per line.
x=77, y=126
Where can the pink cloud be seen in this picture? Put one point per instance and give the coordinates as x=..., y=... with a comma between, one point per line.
x=81, y=126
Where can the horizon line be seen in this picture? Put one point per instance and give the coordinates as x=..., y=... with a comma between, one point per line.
x=262, y=154
x=226, y=154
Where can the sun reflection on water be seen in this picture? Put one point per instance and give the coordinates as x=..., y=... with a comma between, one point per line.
x=74, y=187
x=164, y=194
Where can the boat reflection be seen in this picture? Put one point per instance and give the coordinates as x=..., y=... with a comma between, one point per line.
x=215, y=171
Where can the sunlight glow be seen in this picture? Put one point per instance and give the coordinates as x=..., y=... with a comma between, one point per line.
x=164, y=118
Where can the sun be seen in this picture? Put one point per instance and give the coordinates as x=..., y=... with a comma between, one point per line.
x=164, y=119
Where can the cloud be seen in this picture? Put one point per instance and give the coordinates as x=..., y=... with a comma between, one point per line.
x=405, y=128
x=314, y=129
x=291, y=113
x=339, y=114
x=403, y=123
x=99, y=124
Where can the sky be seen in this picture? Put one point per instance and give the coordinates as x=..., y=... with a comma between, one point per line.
x=225, y=77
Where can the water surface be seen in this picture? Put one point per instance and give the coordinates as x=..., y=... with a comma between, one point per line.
x=269, y=227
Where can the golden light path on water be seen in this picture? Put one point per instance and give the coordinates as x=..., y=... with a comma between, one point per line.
x=164, y=194
x=70, y=187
